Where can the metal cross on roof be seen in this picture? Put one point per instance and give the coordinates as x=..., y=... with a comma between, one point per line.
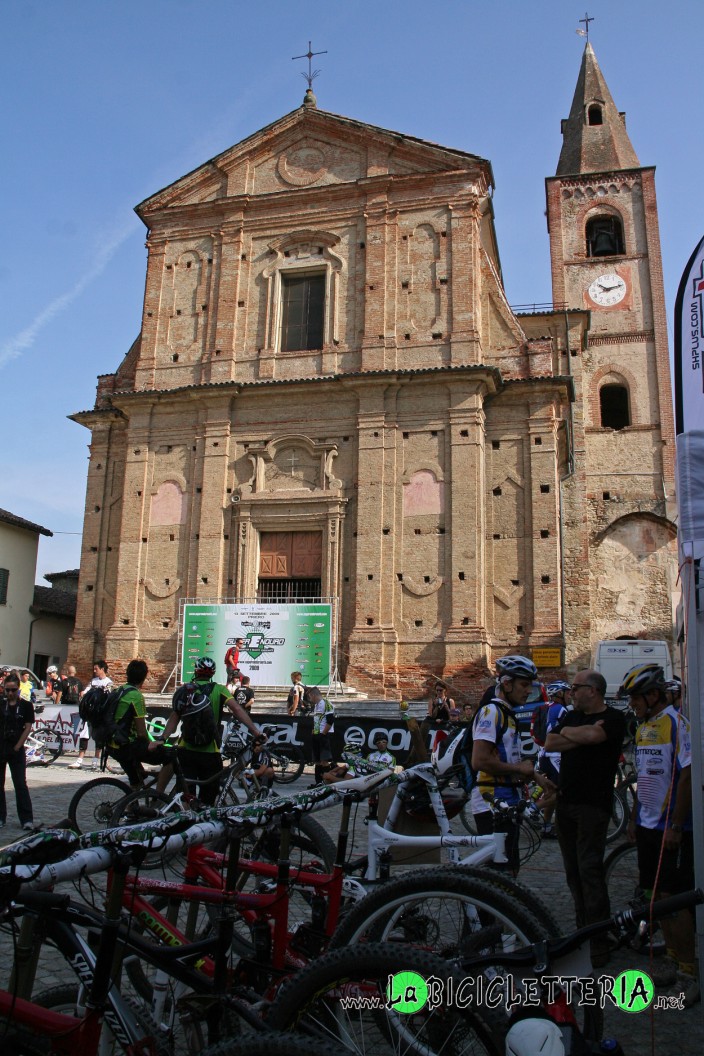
x=586, y=21
x=312, y=74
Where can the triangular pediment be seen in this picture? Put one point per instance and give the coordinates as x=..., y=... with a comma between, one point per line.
x=312, y=148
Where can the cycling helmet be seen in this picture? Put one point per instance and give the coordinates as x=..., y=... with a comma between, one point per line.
x=516, y=667
x=189, y=698
x=53, y=670
x=673, y=685
x=445, y=757
x=557, y=687
x=204, y=666
x=536, y=1035
x=641, y=679
x=380, y=736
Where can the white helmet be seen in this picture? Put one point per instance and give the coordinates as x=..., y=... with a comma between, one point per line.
x=52, y=670
x=447, y=753
x=528, y=1037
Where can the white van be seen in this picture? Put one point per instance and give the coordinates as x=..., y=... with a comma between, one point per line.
x=614, y=658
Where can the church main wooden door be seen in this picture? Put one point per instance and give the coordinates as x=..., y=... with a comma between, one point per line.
x=290, y=566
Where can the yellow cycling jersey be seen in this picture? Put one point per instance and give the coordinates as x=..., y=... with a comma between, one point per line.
x=662, y=744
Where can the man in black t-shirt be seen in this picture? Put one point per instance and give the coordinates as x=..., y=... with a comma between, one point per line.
x=244, y=694
x=589, y=739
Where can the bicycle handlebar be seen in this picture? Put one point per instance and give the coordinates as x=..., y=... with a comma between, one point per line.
x=97, y=851
x=540, y=955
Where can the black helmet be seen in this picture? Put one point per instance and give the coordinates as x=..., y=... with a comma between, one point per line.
x=380, y=736
x=204, y=666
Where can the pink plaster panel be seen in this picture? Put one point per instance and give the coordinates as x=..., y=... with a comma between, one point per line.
x=168, y=505
x=422, y=494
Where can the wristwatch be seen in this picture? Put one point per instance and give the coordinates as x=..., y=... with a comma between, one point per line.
x=676, y=828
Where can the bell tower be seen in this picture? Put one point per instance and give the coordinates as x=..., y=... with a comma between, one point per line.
x=605, y=257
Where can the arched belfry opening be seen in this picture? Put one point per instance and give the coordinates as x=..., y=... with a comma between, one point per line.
x=604, y=236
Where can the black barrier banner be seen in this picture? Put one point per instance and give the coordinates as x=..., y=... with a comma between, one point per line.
x=351, y=732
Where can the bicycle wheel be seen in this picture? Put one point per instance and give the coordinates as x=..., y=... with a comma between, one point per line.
x=451, y=913
x=288, y=763
x=53, y=744
x=466, y=818
x=65, y=999
x=621, y=872
x=518, y=891
x=308, y=841
x=92, y=805
x=619, y=816
x=342, y=998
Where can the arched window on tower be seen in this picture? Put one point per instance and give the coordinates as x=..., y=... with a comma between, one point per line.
x=604, y=236
x=595, y=115
x=613, y=405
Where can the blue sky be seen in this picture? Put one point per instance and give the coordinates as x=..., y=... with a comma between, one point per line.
x=106, y=102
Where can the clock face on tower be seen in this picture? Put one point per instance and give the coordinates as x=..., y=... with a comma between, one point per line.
x=607, y=290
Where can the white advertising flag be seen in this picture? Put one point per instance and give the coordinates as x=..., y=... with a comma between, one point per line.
x=689, y=346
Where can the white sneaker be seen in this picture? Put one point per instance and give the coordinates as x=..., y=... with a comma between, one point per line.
x=28, y=826
x=75, y=766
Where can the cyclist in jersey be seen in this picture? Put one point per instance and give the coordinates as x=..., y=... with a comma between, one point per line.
x=381, y=754
x=200, y=762
x=662, y=822
x=496, y=753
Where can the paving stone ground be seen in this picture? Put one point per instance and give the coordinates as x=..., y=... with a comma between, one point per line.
x=670, y=1032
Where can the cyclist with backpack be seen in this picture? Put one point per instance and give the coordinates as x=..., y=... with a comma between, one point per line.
x=118, y=724
x=100, y=680
x=198, y=706
x=546, y=718
x=496, y=750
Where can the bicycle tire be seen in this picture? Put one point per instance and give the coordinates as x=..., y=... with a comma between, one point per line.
x=515, y=889
x=93, y=803
x=53, y=744
x=288, y=763
x=444, y=910
x=64, y=999
x=620, y=815
x=140, y=805
x=310, y=1002
x=467, y=818
x=621, y=873
x=308, y=839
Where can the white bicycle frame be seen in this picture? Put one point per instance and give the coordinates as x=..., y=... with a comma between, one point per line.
x=383, y=838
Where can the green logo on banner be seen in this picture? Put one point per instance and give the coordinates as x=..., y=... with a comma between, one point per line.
x=254, y=644
x=406, y=992
x=633, y=991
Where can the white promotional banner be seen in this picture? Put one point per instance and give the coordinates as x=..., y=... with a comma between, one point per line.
x=689, y=345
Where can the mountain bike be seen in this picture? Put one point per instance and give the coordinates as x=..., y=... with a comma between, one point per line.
x=43, y=747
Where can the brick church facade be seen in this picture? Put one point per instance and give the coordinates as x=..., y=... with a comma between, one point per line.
x=330, y=396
